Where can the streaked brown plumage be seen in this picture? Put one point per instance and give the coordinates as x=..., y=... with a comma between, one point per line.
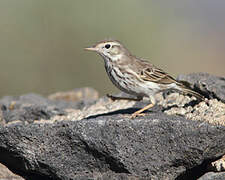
x=136, y=76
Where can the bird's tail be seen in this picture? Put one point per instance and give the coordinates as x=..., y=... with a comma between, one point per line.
x=186, y=89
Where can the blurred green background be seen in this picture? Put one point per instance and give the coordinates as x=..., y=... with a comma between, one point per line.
x=42, y=41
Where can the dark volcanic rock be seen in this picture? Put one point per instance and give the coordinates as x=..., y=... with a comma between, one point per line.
x=100, y=141
x=211, y=86
x=156, y=146
x=32, y=107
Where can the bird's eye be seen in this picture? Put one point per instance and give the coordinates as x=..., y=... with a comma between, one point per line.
x=107, y=46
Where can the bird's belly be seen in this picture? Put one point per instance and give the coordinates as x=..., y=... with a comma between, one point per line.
x=147, y=88
x=140, y=89
x=121, y=84
x=131, y=86
x=121, y=81
x=151, y=88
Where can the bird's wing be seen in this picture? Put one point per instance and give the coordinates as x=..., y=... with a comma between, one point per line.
x=154, y=74
x=149, y=72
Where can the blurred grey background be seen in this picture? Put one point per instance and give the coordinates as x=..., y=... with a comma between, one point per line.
x=42, y=41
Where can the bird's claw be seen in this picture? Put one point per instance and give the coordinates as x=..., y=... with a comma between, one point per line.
x=111, y=97
x=134, y=115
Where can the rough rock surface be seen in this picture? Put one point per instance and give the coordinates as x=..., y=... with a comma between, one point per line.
x=211, y=86
x=100, y=141
x=78, y=94
x=153, y=146
x=218, y=165
x=213, y=176
x=212, y=112
x=31, y=107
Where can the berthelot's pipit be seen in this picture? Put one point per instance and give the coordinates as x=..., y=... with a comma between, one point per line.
x=136, y=76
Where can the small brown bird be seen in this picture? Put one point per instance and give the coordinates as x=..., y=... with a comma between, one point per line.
x=136, y=76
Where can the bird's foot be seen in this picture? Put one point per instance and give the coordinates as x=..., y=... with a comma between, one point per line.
x=134, y=115
x=113, y=98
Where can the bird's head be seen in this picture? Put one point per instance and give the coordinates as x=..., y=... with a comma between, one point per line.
x=110, y=49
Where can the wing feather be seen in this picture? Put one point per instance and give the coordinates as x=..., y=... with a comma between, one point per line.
x=154, y=74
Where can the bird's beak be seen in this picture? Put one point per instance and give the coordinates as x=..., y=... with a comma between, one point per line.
x=91, y=49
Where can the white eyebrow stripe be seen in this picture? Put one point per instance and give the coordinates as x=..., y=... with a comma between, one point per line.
x=112, y=43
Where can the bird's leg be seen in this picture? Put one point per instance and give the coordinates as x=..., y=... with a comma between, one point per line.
x=124, y=98
x=139, y=112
